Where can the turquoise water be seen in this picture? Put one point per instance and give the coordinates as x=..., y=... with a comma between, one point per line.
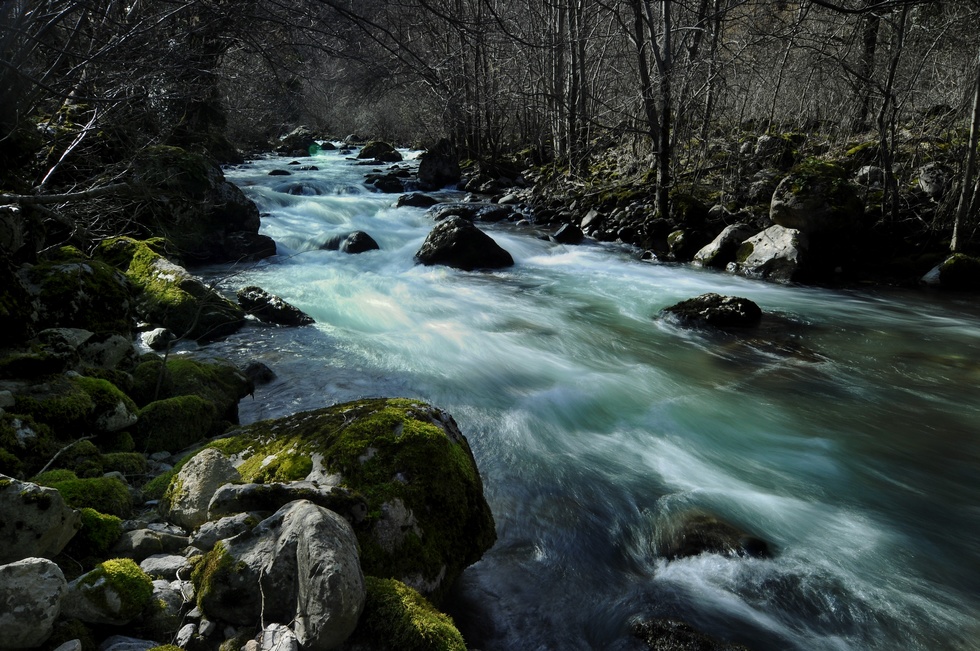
x=846, y=432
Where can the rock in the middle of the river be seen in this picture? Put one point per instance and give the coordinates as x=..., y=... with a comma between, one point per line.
x=456, y=242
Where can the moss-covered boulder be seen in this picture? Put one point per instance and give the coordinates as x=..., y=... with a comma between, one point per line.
x=98, y=533
x=194, y=207
x=73, y=291
x=218, y=382
x=960, y=271
x=816, y=197
x=169, y=295
x=25, y=445
x=116, y=592
x=104, y=494
x=175, y=423
x=427, y=518
x=70, y=404
x=381, y=151
x=34, y=520
x=398, y=618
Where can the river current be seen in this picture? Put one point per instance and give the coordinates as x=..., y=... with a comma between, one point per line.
x=846, y=432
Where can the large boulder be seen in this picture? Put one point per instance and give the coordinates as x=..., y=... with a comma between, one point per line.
x=456, y=242
x=777, y=254
x=426, y=517
x=217, y=381
x=270, y=308
x=815, y=197
x=73, y=291
x=192, y=204
x=301, y=141
x=380, y=151
x=116, y=592
x=439, y=166
x=299, y=565
x=34, y=521
x=958, y=271
x=723, y=249
x=169, y=295
x=355, y=242
x=186, y=500
x=31, y=591
x=716, y=311
x=68, y=403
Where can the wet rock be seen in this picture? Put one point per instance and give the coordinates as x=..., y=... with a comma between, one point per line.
x=696, y=532
x=380, y=151
x=280, y=173
x=158, y=338
x=457, y=243
x=387, y=183
x=569, y=234
x=270, y=308
x=356, y=242
x=416, y=200
x=306, y=556
x=242, y=246
x=31, y=591
x=673, y=635
x=439, y=166
x=717, y=311
x=259, y=373
x=34, y=520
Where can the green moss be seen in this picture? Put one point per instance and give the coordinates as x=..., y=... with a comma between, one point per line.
x=386, y=451
x=396, y=617
x=175, y=423
x=218, y=382
x=52, y=476
x=130, y=464
x=157, y=487
x=99, y=532
x=172, y=647
x=123, y=577
x=960, y=271
x=70, y=404
x=104, y=494
x=207, y=567
x=72, y=629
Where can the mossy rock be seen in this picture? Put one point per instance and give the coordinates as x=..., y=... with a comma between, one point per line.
x=397, y=618
x=104, y=494
x=961, y=272
x=72, y=404
x=427, y=518
x=25, y=444
x=130, y=464
x=175, y=423
x=73, y=291
x=170, y=296
x=116, y=592
x=381, y=151
x=816, y=197
x=98, y=534
x=218, y=382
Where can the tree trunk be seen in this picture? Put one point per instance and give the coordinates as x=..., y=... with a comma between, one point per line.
x=969, y=172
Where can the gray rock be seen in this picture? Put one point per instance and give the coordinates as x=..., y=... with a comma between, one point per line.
x=31, y=591
x=716, y=311
x=933, y=179
x=34, y=520
x=276, y=637
x=457, y=243
x=185, y=635
x=112, y=594
x=270, y=308
x=306, y=556
x=870, y=176
x=141, y=543
x=240, y=498
x=191, y=490
x=165, y=565
x=211, y=532
x=158, y=338
x=816, y=199
x=723, y=248
x=70, y=645
x=776, y=254
x=125, y=643
x=109, y=352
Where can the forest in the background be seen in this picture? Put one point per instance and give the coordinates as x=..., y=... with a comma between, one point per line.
x=88, y=84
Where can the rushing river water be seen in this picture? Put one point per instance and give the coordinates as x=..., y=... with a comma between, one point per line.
x=846, y=432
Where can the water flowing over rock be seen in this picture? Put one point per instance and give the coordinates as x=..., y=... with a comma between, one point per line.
x=569, y=234
x=696, y=532
x=456, y=242
x=717, y=311
x=34, y=520
x=31, y=591
x=270, y=308
x=673, y=635
x=306, y=558
x=356, y=242
x=416, y=200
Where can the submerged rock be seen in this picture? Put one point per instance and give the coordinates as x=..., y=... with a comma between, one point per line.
x=457, y=243
x=696, y=532
x=673, y=635
x=416, y=200
x=569, y=234
x=717, y=311
x=356, y=242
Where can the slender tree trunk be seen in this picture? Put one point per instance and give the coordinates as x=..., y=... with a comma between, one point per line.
x=969, y=172
x=871, y=25
x=887, y=119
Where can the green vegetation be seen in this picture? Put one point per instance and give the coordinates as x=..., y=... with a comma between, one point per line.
x=104, y=494
x=397, y=618
x=118, y=586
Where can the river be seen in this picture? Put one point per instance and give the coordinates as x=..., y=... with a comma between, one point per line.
x=846, y=433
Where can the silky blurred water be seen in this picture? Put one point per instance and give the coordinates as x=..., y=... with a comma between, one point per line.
x=846, y=432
